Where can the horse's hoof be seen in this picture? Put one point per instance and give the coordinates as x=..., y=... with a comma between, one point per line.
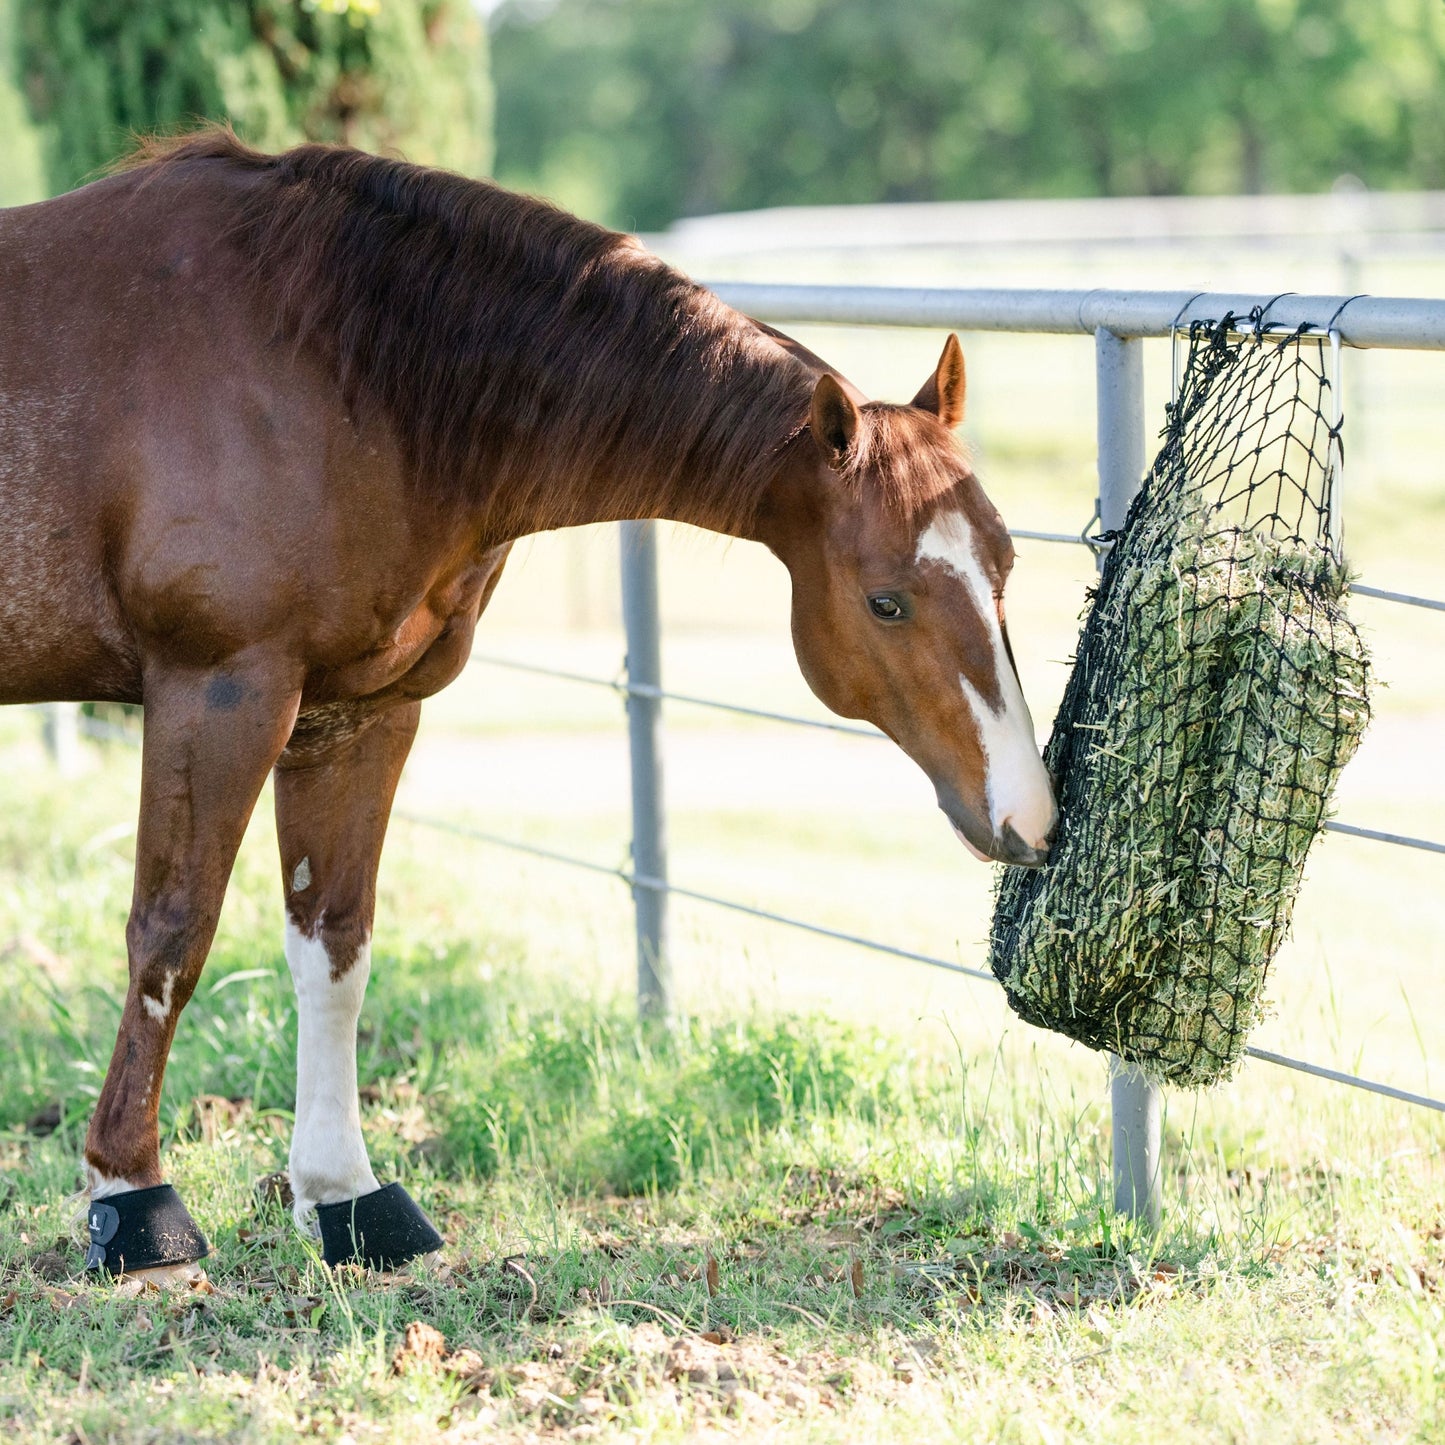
x=142, y=1232
x=382, y=1229
x=190, y=1276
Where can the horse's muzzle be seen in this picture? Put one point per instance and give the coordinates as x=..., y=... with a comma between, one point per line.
x=1010, y=848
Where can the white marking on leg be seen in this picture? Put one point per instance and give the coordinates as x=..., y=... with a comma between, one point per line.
x=1016, y=782
x=328, y=1155
x=160, y=1008
x=102, y=1186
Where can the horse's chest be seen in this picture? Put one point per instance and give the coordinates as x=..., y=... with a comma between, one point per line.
x=420, y=652
x=401, y=654
x=422, y=658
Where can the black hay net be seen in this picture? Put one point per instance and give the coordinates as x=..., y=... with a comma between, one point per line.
x=1218, y=692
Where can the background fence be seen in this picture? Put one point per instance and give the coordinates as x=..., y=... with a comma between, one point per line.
x=1118, y=321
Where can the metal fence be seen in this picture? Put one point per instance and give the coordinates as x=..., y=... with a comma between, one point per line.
x=1119, y=321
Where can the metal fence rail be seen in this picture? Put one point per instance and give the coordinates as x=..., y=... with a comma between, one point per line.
x=1394, y=322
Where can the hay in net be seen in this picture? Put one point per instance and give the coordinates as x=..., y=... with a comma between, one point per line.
x=1218, y=692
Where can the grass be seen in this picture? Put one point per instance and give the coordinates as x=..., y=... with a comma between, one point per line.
x=758, y=1224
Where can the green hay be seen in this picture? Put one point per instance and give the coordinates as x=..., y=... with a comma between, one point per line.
x=1209, y=729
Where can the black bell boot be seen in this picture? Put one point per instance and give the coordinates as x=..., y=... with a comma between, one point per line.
x=382, y=1229
x=141, y=1229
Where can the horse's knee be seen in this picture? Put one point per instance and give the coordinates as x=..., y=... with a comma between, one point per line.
x=166, y=950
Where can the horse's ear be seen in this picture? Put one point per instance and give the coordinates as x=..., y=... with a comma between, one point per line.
x=834, y=420
x=942, y=393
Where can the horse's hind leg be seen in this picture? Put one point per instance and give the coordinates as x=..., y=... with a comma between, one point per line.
x=210, y=739
x=332, y=805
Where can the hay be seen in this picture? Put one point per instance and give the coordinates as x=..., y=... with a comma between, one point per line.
x=1219, y=691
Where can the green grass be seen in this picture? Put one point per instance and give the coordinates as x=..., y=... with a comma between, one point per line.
x=909, y=1235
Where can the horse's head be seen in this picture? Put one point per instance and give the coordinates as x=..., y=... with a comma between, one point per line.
x=898, y=562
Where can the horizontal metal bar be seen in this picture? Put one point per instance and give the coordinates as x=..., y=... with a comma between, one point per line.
x=634, y=689
x=1072, y=538
x=1408, y=323
x=1433, y=603
x=1399, y=840
x=1264, y=1056
x=1354, y=1081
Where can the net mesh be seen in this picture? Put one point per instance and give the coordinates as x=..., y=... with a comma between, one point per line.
x=1219, y=689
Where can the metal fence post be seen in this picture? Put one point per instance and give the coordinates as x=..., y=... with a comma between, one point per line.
x=644, y=727
x=1136, y=1103
x=60, y=728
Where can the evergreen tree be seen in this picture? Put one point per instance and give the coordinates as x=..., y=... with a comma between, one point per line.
x=387, y=75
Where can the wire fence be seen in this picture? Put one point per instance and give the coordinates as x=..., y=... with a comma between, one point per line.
x=621, y=687
x=1119, y=321
x=874, y=945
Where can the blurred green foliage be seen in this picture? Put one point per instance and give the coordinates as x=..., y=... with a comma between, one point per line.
x=408, y=75
x=638, y=111
x=22, y=174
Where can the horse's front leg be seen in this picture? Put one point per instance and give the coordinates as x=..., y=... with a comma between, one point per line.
x=210, y=739
x=332, y=805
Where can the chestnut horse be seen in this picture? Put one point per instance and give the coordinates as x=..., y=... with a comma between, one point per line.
x=268, y=428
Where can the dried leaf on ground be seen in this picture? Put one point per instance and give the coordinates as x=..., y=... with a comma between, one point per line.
x=422, y=1344
x=275, y=1189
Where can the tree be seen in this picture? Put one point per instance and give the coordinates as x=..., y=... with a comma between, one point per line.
x=639, y=111
x=407, y=75
x=22, y=175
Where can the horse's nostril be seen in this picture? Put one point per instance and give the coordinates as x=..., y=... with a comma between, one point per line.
x=1013, y=849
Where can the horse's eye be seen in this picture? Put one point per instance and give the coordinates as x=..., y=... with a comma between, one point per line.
x=885, y=607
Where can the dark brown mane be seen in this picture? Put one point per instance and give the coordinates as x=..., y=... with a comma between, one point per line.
x=507, y=341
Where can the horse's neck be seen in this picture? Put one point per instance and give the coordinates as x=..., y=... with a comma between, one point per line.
x=713, y=467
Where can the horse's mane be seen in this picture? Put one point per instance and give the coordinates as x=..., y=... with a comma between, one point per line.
x=507, y=339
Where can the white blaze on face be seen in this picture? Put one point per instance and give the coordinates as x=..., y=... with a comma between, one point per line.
x=1016, y=783
x=328, y=1155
